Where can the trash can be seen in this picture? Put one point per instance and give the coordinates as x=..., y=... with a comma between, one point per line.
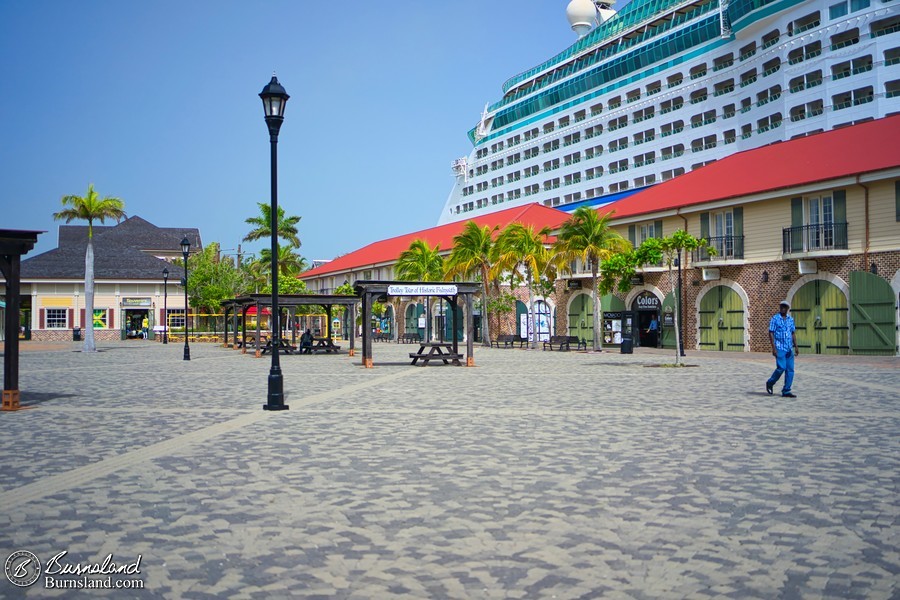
x=626, y=347
x=76, y=334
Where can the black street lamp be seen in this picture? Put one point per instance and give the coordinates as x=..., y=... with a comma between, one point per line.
x=165, y=305
x=185, y=250
x=274, y=99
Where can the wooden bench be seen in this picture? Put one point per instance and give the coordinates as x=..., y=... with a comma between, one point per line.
x=560, y=341
x=409, y=338
x=578, y=343
x=508, y=341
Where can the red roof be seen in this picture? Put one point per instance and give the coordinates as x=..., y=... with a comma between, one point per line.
x=389, y=250
x=848, y=151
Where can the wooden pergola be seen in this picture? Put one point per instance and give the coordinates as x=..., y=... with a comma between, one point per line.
x=379, y=291
x=14, y=244
x=238, y=308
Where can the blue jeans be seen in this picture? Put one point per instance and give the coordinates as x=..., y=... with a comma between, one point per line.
x=784, y=363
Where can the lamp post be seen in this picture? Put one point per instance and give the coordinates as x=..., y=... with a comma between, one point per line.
x=165, y=305
x=274, y=99
x=185, y=250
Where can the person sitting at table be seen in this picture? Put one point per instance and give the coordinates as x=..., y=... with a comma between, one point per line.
x=306, y=341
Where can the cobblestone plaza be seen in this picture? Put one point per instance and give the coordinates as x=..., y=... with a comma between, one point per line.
x=532, y=475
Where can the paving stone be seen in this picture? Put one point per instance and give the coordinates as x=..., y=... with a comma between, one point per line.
x=535, y=474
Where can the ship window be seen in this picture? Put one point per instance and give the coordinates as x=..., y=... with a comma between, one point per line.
x=836, y=11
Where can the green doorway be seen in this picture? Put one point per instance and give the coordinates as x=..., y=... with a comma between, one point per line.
x=721, y=320
x=820, y=314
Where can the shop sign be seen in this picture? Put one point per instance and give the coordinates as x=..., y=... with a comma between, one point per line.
x=637, y=280
x=647, y=302
x=574, y=284
x=130, y=302
x=669, y=317
x=422, y=290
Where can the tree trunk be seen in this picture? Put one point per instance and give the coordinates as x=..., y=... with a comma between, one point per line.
x=677, y=308
x=598, y=310
x=88, y=325
x=485, y=326
x=534, y=332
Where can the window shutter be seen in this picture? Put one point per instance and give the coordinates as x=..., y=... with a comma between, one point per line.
x=109, y=318
x=632, y=235
x=83, y=322
x=704, y=225
x=738, y=214
x=796, y=230
x=71, y=312
x=796, y=212
x=42, y=318
x=657, y=229
x=840, y=206
x=897, y=197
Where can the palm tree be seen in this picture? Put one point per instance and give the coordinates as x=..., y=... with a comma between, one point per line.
x=287, y=226
x=289, y=262
x=421, y=262
x=90, y=208
x=586, y=236
x=520, y=248
x=471, y=255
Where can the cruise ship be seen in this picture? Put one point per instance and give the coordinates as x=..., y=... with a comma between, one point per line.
x=663, y=87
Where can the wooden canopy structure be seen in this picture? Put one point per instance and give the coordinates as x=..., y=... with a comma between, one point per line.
x=452, y=292
x=238, y=307
x=14, y=244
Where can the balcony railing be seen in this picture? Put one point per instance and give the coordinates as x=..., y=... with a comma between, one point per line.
x=728, y=247
x=811, y=238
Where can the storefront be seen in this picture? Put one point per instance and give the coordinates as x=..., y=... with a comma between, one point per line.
x=138, y=321
x=645, y=309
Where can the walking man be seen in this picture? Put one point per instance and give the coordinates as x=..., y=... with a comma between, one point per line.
x=784, y=348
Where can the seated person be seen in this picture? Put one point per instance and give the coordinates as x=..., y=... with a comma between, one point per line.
x=306, y=342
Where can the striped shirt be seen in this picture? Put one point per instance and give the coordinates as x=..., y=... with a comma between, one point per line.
x=782, y=329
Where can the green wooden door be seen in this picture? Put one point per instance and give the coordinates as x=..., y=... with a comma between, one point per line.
x=581, y=318
x=820, y=314
x=722, y=320
x=873, y=319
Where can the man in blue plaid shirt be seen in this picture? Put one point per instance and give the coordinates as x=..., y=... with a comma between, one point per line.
x=784, y=348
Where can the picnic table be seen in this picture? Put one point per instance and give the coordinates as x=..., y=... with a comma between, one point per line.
x=322, y=344
x=434, y=351
x=285, y=347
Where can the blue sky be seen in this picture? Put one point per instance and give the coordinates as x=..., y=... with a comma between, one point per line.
x=157, y=103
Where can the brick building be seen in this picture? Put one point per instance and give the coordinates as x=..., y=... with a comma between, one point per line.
x=815, y=220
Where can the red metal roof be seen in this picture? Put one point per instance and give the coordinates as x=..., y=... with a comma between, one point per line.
x=848, y=151
x=389, y=250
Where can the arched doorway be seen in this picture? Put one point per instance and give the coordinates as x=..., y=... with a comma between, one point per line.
x=524, y=321
x=644, y=307
x=721, y=320
x=414, y=322
x=581, y=318
x=820, y=314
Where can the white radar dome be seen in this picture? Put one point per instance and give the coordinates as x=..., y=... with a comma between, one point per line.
x=582, y=15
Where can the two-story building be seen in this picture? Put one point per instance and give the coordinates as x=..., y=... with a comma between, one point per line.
x=814, y=220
